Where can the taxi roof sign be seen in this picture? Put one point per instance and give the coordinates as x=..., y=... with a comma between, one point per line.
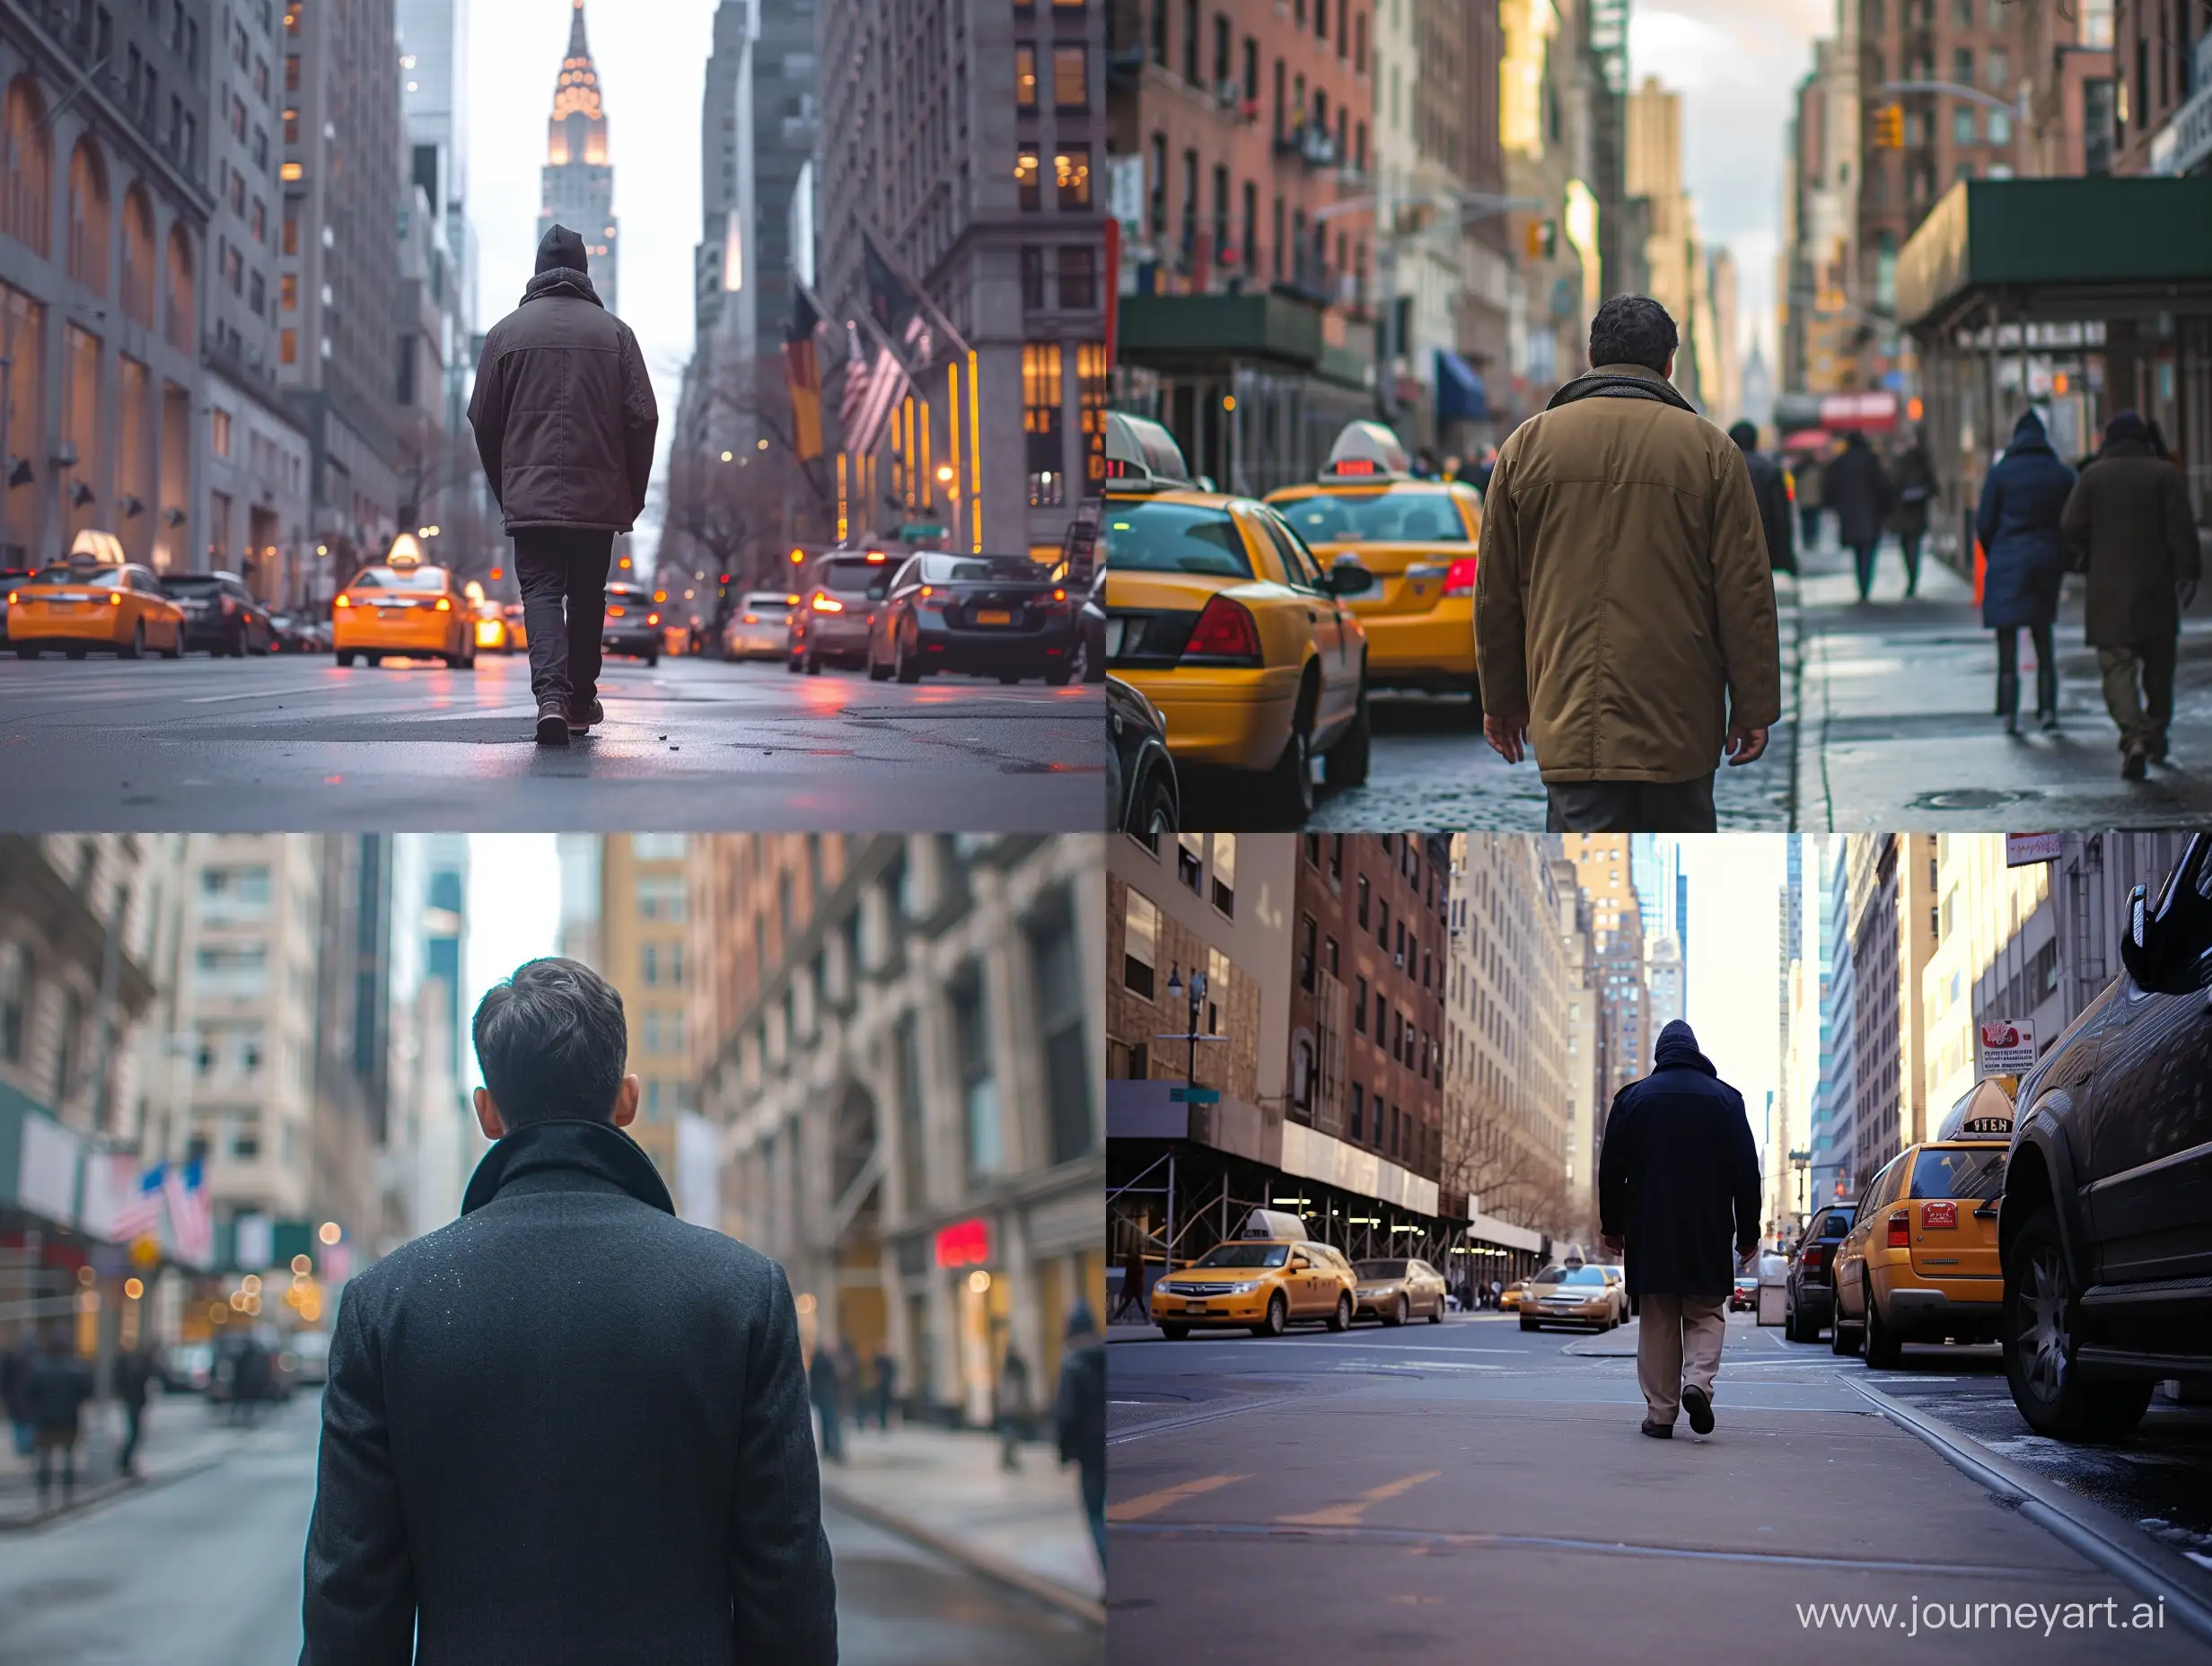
x=1142, y=455
x=91, y=547
x=1277, y=1224
x=406, y=552
x=1366, y=448
x=1985, y=1112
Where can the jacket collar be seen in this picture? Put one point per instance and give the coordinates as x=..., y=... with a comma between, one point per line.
x=1621, y=381
x=567, y=1155
x=561, y=280
x=2126, y=448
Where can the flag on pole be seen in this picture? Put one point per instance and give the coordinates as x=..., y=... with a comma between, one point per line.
x=802, y=373
x=140, y=1213
x=191, y=1219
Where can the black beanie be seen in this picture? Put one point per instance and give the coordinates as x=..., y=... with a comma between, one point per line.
x=561, y=247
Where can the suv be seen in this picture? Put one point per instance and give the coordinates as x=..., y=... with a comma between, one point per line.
x=1809, y=1301
x=221, y=615
x=2105, y=1237
x=834, y=615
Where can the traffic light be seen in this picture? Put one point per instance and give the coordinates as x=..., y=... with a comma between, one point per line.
x=725, y=578
x=1889, y=127
x=1544, y=239
x=498, y=574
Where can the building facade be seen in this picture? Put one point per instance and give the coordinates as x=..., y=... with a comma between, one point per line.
x=645, y=951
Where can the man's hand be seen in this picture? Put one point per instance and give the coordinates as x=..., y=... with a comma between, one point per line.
x=1509, y=735
x=2185, y=592
x=1746, y=1257
x=1613, y=1246
x=1743, y=745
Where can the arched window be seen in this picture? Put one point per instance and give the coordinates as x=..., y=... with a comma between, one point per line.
x=180, y=311
x=139, y=255
x=88, y=217
x=26, y=167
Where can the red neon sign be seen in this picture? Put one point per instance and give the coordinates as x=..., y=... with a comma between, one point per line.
x=964, y=1244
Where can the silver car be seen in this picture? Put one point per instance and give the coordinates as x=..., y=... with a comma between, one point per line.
x=761, y=628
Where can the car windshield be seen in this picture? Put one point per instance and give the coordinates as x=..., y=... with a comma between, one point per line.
x=79, y=577
x=1571, y=1275
x=1837, y=1224
x=1375, y=518
x=400, y=578
x=979, y=569
x=1175, y=538
x=192, y=584
x=854, y=576
x=1381, y=1269
x=1245, y=1255
x=1976, y=1172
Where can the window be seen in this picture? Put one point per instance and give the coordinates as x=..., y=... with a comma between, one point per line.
x=288, y=291
x=1963, y=125
x=1358, y=1110
x=1359, y=1004
x=88, y=217
x=1225, y=873
x=1040, y=422
x=1308, y=939
x=1078, y=277
x=978, y=1086
x=1060, y=1018
x=1032, y=279
x=1025, y=178
x=1140, y=944
x=660, y=896
x=14, y=1000
x=1024, y=76
x=1190, y=861
x=219, y=438
x=1071, y=167
x=288, y=345
x=1363, y=901
x=1190, y=41
x=1071, y=78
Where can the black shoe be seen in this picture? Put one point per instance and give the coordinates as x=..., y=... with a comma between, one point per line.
x=2136, y=764
x=552, y=724
x=1699, y=1406
x=2158, y=749
x=1659, y=1431
x=578, y=721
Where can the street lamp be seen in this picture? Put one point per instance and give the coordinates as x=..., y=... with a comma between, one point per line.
x=1198, y=997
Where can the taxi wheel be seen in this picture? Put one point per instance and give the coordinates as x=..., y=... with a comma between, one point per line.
x=877, y=671
x=73, y=653
x=1436, y=1314
x=1341, y=1319
x=1347, y=764
x=1175, y=1333
x=373, y=659
x=344, y=656
x=906, y=670
x=1289, y=786
x=2038, y=1328
x=1278, y=1320
x=137, y=646
x=1883, y=1348
x=26, y=653
x=1842, y=1339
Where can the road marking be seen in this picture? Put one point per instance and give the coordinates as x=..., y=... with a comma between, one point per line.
x=1348, y=1514
x=1151, y=1503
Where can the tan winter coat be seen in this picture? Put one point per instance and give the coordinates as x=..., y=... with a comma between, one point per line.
x=1623, y=598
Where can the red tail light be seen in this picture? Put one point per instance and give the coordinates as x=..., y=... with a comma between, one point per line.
x=229, y=606
x=652, y=618
x=1225, y=630
x=1460, y=580
x=614, y=613
x=826, y=604
x=1935, y=1214
x=1900, y=1231
x=1813, y=1258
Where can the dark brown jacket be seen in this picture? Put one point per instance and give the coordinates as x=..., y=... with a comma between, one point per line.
x=2129, y=516
x=1623, y=598
x=563, y=410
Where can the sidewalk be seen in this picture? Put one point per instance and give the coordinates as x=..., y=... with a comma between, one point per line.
x=943, y=1489
x=179, y=1437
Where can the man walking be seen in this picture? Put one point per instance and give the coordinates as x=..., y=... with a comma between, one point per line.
x=1678, y=1181
x=1013, y=1406
x=886, y=1387
x=1857, y=488
x=133, y=1370
x=1079, y=1415
x=1624, y=608
x=822, y=1383
x=563, y=418
x=2129, y=523
x=60, y=1383
x=567, y=1426
x=1773, y=494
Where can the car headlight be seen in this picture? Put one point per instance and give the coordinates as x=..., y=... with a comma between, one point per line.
x=1244, y=1288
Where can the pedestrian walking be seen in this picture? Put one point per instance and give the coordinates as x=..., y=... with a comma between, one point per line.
x=1678, y=1186
x=15, y=1389
x=1914, y=480
x=2129, y=525
x=133, y=1370
x=1013, y=1407
x=822, y=1381
x=564, y=419
x=567, y=1426
x=1079, y=1416
x=1497, y=1294
x=2023, y=555
x=1624, y=607
x=250, y=1380
x=886, y=1384
x=1805, y=472
x=58, y=1385
x=1132, y=1292
x=1856, y=487
x=1772, y=490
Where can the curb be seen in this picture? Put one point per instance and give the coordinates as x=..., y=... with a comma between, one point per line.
x=1036, y=1586
x=109, y=1491
x=2089, y=1529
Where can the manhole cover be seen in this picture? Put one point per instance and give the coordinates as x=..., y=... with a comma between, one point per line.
x=1966, y=798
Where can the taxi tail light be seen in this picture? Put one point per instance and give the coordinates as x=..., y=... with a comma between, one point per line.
x=1935, y=1214
x=614, y=613
x=826, y=604
x=652, y=618
x=753, y=618
x=1900, y=1231
x=445, y=606
x=1459, y=580
x=1225, y=630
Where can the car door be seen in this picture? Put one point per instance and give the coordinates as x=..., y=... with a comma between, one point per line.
x=1851, y=1257
x=1334, y=634
x=1298, y=1282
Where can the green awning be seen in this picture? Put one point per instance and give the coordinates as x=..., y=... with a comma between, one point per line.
x=1199, y=332
x=2065, y=246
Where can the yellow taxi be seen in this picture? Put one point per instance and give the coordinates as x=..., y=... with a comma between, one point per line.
x=1270, y=1277
x=493, y=633
x=1418, y=538
x=1921, y=1261
x=518, y=632
x=405, y=607
x=95, y=601
x=1219, y=615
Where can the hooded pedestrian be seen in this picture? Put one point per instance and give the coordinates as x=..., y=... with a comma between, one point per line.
x=1013, y=1407
x=1772, y=489
x=2129, y=525
x=567, y=1426
x=58, y=1385
x=1914, y=478
x=1856, y=487
x=1678, y=1186
x=886, y=1387
x=1079, y=1416
x=134, y=1372
x=564, y=419
x=1624, y=606
x=822, y=1383
x=2023, y=555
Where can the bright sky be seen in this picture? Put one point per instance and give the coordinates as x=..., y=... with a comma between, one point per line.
x=1737, y=63
x=1735, y=888
x=651, y=60
x=515, y=913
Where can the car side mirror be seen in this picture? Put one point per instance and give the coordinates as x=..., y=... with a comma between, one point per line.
x=2135, y=942
x=1348, y=577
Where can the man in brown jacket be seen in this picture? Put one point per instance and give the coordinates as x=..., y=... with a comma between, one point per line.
x=564, y=419
x=1624, y=611
x=2128, y=521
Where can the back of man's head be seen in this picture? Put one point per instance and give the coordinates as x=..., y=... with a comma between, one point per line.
x=1746, y=435
x=1633, y=329
x=561, y=247
x=552, y=1043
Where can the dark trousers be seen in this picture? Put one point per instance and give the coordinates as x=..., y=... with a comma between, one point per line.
x=1809, y=523
x=2141, y=719
x=563, y=572
x=1630, y=806
x=1908, y=546
x=1863, y=562
x=2008, y=669
x=132, y=1417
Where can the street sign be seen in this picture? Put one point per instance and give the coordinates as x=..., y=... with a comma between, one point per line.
x=2024, y=850
x=1194, y=1096
x=2004, y=1047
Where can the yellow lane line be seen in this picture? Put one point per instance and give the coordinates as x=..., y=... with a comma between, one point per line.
x=1151, y=1503
x=1348, y=1514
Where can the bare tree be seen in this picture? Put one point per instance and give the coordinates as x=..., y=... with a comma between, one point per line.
x=743, y=503
x=1487, y=1160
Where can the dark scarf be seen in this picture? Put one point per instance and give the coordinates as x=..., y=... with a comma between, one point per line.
x=1678, y=1050
x=1610, y=381
x=561, y=280
x=598, y=1149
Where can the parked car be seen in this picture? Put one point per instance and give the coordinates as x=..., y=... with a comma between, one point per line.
x=310, y=1355
x=1002, y=616
x=185, y=1367
x=1261, y=1282
x=1091, y=630
x=760, y=628
x=221, y=615
x=1398, y=1289
x=1511, y=1298
x=2106, y=1232
x=9, y=578
x=1809, y=1299
x=838, y=601
x=86, y=605
x=1141, y=790
x=1579, y=1295
x=633, y=624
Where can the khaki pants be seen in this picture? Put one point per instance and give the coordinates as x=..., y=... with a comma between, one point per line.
x=2143, y=716
x=1677, y=1342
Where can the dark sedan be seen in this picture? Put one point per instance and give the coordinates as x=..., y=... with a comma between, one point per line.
x=633, y=624
x=221, y=615
x=1141, y=791
x=1003, y=615
x=1809, y=1303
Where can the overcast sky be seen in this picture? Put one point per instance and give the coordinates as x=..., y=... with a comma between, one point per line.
x=1734, y=922
x=514, y=911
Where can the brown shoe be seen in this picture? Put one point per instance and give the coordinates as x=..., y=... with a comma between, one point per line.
x=552, y=724
x=578, y=721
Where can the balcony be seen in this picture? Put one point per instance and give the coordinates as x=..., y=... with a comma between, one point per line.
x=1313, y=145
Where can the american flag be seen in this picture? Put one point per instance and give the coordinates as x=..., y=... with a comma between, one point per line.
x=139, y=1215
x=191, y=1219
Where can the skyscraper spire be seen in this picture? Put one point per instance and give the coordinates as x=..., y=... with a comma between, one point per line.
x=577, y=46
x=579, y=174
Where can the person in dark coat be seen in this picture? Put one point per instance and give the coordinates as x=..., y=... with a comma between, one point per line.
x=1079, y=1416
x=2128, y=522
x=133, y=1370
x=1805, y=471
x=1914, y=478
x=250, y=1380
x=886, y=1387
x=568, y=1426
x=564, y=419
x=1856, y=487
x=58, y=1385
x=823, y=1384
x=1772, y=491
x=1678, y=1184
x=2025, y=559
x=1013, y=1406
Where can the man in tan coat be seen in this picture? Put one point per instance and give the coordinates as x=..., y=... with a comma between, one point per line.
x=1624, y=608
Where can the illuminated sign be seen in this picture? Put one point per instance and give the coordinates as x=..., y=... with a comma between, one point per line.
x=964, y=1244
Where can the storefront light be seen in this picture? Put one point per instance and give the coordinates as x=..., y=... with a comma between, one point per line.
x=979, y=1281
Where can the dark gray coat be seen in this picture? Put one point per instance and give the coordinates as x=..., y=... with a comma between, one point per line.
x=1678, y=1174
x=569, y=1427
x=2127, y=522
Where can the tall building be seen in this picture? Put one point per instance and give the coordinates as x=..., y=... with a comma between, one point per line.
x=1818, y=302
x=2160, y=60
x=1894, y=926
x=1584, y=1065
x=352, y=1066
x=1623, y=218
x=1833, y=1174
x=578, y=177
x=1723, y=370
x=431, y=1138
x=1603, y=874
x=645, y=952
x=1551, y=87
x=103, y=262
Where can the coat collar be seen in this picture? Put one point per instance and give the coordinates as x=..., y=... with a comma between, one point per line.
x=561, y=280
x=1624, y=382
x=567, y=1155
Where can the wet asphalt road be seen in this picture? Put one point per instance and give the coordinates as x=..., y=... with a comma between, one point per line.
x=691, y=745
x=203, y=1570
